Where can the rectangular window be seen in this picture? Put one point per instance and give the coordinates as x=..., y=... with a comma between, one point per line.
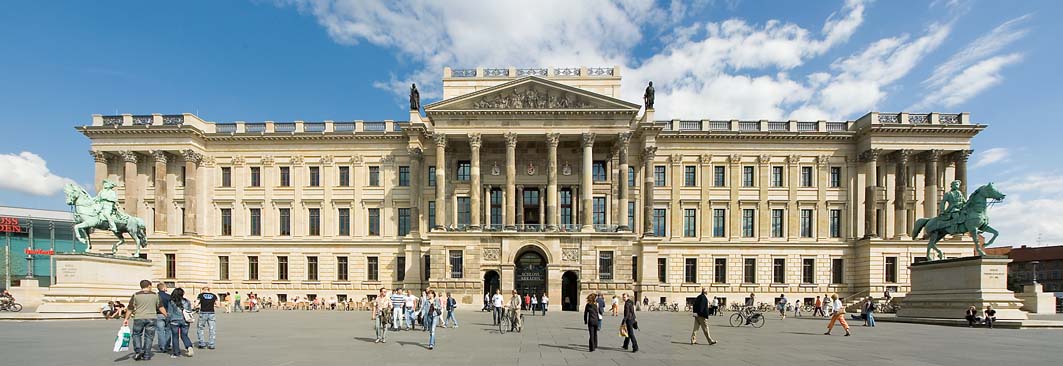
x=256, y=176
x=598, y=215
x=777, y=223
x=598, y=171
x=690, y=219
x=660, y=222
x=496, y=208
x=311, y=268
x=373, y=269
x=344, y=221
x=566, y=206
x=431, y=176
x=226, y=221
x=404, y=221
x=776, y=176
x=835, y=177
x=464, y=173
x=345, y=176
x=634, y=268
x=286, y=177
x=223, y=268
x=256, y=221
x=457, y=259
x=427, y=267
x=662, y=270
x=226, y=176
x=719, y=176
x=171, y=265
x=465, y=211
x=719, y=217
x=690, y=270
x=719, y=270
x=315, y=221
x=690, y=176
x=341, y=269
x=605, y=265
x=747, y=176
x=630, y=176
x=806, y=223
x=631, y=215
x=315, y=176
x=404, y=176
x=432, y=214
x=658, y=176
x=835, y=223
x=285, y=224
x=400, y=269
x=778, y=270
x=252, y=268
x=374, y=176
x=806, y=176
x=282, y=268
x=891, y=269
x=749, y=271
x=808, y=270
x=837, y=271
x=748, y=222
x=374, y=222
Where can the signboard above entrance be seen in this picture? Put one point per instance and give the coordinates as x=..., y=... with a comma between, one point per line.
x=9, y=225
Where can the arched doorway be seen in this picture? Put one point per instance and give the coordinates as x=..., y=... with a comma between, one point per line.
x=492, y=282
x=570, y=291
x=530, y=273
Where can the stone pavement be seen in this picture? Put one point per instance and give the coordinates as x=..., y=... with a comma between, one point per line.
x=346, y=338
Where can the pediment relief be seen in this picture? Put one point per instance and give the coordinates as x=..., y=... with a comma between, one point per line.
x=532, y=94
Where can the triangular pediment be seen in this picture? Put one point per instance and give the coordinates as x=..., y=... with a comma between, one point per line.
x=531, y=93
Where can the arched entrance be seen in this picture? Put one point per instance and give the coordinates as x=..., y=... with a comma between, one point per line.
x=530, y=272
x=492, y=282
x=570, y=291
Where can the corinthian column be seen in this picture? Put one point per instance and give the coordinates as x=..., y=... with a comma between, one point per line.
x=900, y=204
x=647, y=195
x=930, y=201
x=623, y=224
x=101, y=159
x=961, y=168
x=552, y=140
x=870, y=158
x=511, y=180
x=192, y=161
x=475, y=142
x=441, y=183
x=586, y=182
x=161, y=193
x=132, y=199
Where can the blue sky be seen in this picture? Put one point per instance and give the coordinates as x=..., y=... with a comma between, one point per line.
x=316, y=60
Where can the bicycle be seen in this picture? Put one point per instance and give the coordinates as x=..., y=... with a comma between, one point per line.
x=747, y=317
x=11, y=306
x=507, y=322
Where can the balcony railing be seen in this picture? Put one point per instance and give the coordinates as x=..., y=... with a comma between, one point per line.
x=142, y=120
x=806, y=126
x=255, y=127
x=314, y=127
x=837, y=126
x=397, y=127
x=566, y=71
x=600, y=71
x=748, y=126
x=531, y=228
x=226, y=128
x=496, y=72
x=531, y=72
x=719, y=125
x=689, y=125
x=918, y=119
x=173, y=119
x=284, y=127
x=949, y=119
x=493, y=227
x=778, y=126
x=343, y=126
x=463, y=73
x=112, y=120
x=570, y=228
x=374, y=126
x=606, y=228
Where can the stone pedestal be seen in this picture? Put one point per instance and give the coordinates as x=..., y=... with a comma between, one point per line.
x=946, y=288
x=1036, y=301
x=84, y=282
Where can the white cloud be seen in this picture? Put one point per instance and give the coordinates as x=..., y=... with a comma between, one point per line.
x=986, y=45
x=1031, y=210
x=990, y=156
x=970, y=82
x=28, y=173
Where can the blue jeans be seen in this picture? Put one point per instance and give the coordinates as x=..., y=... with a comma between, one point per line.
x=409, y=318
x=396, y=318
x=238, y=307
x=450, y=319
x=432, y=320
x=162, y=328
x=206, y=320
x=498, y=315
x=178, y=334
x=544, y=308
x=870, y=319
x=381, y=328
x=143, y=333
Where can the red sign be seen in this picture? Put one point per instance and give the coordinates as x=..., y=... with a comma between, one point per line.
x=39, y=252
x=9, y=225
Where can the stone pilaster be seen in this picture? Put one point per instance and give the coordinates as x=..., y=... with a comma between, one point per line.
x=192, y=162
x=900, y=204
x=552, y=140
x=622, y=223
x=734, y=227
x=101, y=159
x=793, y=213
x=441, y=186
x=647, y=196
x=586, y=181
x=475, y=142
x=416, y=158
x=930, y=202
x=763, y=211
x=161, y=191
x=706, y=205
x=822, y=217
x=520, y=205
x=961, y=168
x=870, y=159
x=675, y=210
x=511, y=180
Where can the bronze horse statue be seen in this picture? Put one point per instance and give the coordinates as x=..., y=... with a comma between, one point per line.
x=87, y=217
x=972, y=219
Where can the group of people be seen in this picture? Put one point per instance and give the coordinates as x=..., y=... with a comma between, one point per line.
x=169, y=314
x=593, y=317
x=391, y=309
x=513, y=306
x=529, y=302
x=975, y=317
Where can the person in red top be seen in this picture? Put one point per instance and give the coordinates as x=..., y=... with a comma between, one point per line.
x=527, y=301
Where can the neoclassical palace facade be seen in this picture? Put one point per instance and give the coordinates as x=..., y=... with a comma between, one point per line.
x=540, y=180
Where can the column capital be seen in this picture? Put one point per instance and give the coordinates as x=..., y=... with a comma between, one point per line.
x=823, y=160
x=764, y=159
x=624, y=138
x=511, y=139
x=705, y=159
x=553, y=139
x=129, y=156
x=735, y=158
x=962, y=155
x=520, y=187
x=99, y=156
x=648, y=152
x=191, y=156
x=933, y=155
x=676, y=159
x=475, y=140
x=870, y=155
x=159, y=156
x=416, y=154
x=793, y=159
x=440, y=140
x=587, y=139
x=904, y=156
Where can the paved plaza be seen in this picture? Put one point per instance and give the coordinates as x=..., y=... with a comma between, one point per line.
x=334, y=338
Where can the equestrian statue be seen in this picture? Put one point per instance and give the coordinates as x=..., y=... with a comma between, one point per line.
x=959, y=215
x=102, y=213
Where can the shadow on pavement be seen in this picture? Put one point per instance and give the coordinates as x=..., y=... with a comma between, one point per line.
x=366, y=339
x=402, y=343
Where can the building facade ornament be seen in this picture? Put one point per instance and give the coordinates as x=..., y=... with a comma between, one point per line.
x=496, y=170
x=735, y=158
x=440, y=139
x=587, y=139
x=511, y=139
x=933, y=156
x=705, y=158
x=387, y=159
x=676, y=159
x=416, y=154
x=267, y=161
x=870, y=155
x=764, y=159
x=238, y=161
x=326, y=160
x=492, y=254
x=99, y=156
x=297, y=160
x=159, y=156
x=823, y=160
x=566, y=169
x=530, y=98
x=531, y=169
x=962, y=155
x=357, y=159
x=129, y=156
x=553, y=139
x=475, y=140
x=191, y=156
x=648, y=153
x=793, y=159
x=570, y=255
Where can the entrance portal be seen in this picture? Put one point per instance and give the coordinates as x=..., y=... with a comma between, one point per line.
x=492, y=281
x=570, y=291
x=530, y=274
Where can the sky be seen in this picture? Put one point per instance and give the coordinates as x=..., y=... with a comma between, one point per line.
x=62, y=61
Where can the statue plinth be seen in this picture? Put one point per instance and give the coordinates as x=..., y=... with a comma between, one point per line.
x=946, y=288
x=84, y=282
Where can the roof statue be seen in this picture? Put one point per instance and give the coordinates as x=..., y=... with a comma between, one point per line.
x=415, y=98
x=648, y=97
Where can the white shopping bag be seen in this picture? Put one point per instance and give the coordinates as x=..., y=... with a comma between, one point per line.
x=121, y=342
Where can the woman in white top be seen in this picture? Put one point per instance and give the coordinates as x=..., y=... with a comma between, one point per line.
x=544, y=303
x=616, y=306
x=837, y=316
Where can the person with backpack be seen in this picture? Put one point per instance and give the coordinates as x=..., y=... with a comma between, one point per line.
x=452, y=305
x=179, y=313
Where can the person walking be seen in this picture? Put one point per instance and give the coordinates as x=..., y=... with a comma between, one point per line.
x=237, y=305
x=818, y=307
x=422, y=314
x=143, y=306
x=397, y=303
x=162, y=327
x=175, y=310
x=433, y=311
x=496, y=302
x=487, y=302
x=797, y=308
x=593, y=319
x=615, y=309
x=527, y=302
x=701, y=313
x=534, y=304
x=869, y=312
x=544, y=302
x=630, y=324
x=837, y=316
x=601, y=303
x=205, y=303
x=827, y=303
x=451, y=305
x=410, y=305
x=514, y=311
x=782, y=306
x=381, y=312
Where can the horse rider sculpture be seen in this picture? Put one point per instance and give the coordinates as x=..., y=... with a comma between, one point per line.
x=108, y=203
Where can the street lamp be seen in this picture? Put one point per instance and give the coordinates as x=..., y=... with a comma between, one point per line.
x=1034, y=265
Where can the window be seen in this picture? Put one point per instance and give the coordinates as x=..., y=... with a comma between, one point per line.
x=373, y=269
x=605, y=265
x=835, y=223
x=456, y=261
x=776, y=223
x=226, y=221
x=285, y=221
x=404, y=221
x=662, y=270
x=431, y=176
x=341, y=269
x=690, y=217
x=286, y=177
x=719, y=217
x=252, y=268
x=282, y=268
x=465, y=211
x=464, y=172
x=658, y=176
x=171, y=265
x=315, y=176
x=256, y=176
x=431, y=214
x=806, y=223
x=598, y=171
x=891, y=269
x=719, y=176
x=690, y=270
x=690, y=176
x=311, y=268
x=427, y=267
x=748, y=222
x=404, y=176
x=778, y=271
x=223, y=267
x=566, y=206
x=374, y=176
x=374, y=222
x=806, y=176
x=345, y=176
x=599, y=211
x=835, y=177
x=496, y=207
x=808, y=270
x=344, y=221
x=747, y=176
x=776, y=176
x=719, y=271
x=226, y=176
x=400, y=268
x=634, y=268
x=256, y=221
x=749, y=271
x=631, y=215
x=660, y=217
x=630, y=176
x=837, y=271
x=315, y=221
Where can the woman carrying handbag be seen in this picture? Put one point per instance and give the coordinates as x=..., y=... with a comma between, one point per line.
x=593, y=319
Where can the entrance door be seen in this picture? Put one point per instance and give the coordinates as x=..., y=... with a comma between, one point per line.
x=530, y=274
x=570, y=291
x=492, y=281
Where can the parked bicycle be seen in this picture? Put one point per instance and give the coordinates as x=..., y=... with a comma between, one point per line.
x=10, y=306
x=748, y=316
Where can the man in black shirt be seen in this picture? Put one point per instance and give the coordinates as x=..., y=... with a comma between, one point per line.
x=205, y=303
x=701, y=312
x=630, y=324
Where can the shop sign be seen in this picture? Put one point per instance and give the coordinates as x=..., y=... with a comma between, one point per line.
x=9, y=225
